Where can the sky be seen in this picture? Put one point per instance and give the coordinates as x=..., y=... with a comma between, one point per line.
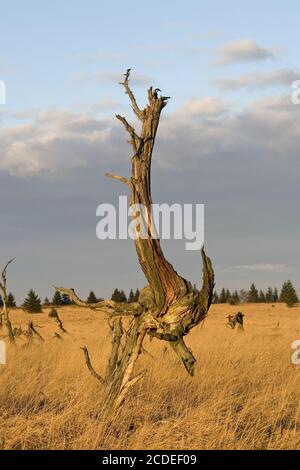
x=229, y=137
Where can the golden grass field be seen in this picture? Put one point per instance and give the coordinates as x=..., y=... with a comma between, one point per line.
x=245, y=394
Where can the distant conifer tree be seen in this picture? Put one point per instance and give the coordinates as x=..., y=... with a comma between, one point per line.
x=288, y=294
x=119, y=296
x=131, y=297
x=116, y=295
x=253, y=296
x=46, y=302
x=262, y=297
x=235, y=298
x=270, y=295
x=228, y=295
x=216, y=299
x=32, y=303
x=223, y=297
x=92, y=299
x=11, y=300
x=123, y=297
x=57, y=299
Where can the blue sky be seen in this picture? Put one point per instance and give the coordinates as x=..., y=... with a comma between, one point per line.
x=228, y=138
x=45, y=47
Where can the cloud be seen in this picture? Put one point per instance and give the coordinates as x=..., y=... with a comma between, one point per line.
x=277, y=78
x=265, y=268
x=267, y=129
x=244, y=50
x=243, y=164
x=4, y=114
x=208, y=106
x=107, y=104
x=55, y=142
x=265, y=132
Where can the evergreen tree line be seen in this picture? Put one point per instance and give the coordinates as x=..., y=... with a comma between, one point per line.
x=120, y=296
x=10, y=301
x=288, y=295
x=33, y=303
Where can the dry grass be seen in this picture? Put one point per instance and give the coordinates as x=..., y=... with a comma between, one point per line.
x=245, y=394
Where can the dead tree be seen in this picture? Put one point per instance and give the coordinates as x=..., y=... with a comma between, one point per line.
x=236, y=320
x=5, y=316
x=18, y=331
x=33, y=333
x=169, y=306
x=55, y=316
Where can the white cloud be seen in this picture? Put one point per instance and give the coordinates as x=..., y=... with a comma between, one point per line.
x=266, y=268
x=268, y=129
x=54, y=142
x=208, y=106
x=277, y=78
x=244, y=50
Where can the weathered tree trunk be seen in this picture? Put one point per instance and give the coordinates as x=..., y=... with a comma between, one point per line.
x=117, y=333
x=6, y=317
x=122, y=378
x=169, y=307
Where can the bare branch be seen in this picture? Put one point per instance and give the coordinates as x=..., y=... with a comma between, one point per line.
x=113, y=309
x=3, y=286
x=33, y=331
x=81, y=303
x=54, y=315
x=163, y=336
x=90, y=367
x=138, y=112
x=122, y=179
x=208, y=284
x=135, y=139
x=185, y=355
x=126, y=124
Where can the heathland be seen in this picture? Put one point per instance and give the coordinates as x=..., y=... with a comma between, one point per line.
x=245, y=393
